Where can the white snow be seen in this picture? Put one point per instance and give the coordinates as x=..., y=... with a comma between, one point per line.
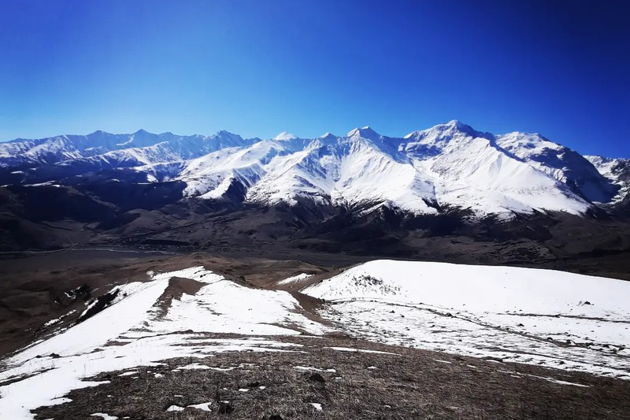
x=317, y=406
x=104, y=416
x=285, y=136
x=294, y=279
x=514, y=314
x=202, y=406
x=314, y=369
x=557, y=381
x=130, y=373
x=194, y=366
x=359, y=350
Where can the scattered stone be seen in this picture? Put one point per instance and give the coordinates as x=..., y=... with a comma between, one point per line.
x=225, y=407
x=174, y=408
x=317, y=406
x=316, y=377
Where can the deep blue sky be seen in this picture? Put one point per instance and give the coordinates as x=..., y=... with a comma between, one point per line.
x=561, y=68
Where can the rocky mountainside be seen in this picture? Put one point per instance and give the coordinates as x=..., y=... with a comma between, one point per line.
x=616, y=170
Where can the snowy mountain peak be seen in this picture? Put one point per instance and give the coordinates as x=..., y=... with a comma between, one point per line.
x=364, y=132
x=223, y=134
x=285, y=136
x=529, y=141
x=327, y=135
x=457, y=125
x=446, y=131
x=445, y=137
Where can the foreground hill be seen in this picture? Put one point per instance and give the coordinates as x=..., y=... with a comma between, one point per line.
x=195, y=343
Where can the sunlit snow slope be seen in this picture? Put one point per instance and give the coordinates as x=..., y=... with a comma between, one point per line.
x=546, y=317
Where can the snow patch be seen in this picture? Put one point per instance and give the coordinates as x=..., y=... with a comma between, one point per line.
x=295, y=279
x=104, y=416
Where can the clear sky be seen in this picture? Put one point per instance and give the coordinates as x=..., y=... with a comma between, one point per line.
x=561, y=68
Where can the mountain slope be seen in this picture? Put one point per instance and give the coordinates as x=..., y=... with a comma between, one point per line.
x=562, y=163
x=470, y=170
x=616, y=170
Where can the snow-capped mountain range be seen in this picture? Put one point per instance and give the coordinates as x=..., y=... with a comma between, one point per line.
x=426, y=171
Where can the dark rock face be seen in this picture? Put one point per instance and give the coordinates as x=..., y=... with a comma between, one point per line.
x=225, y=407
x=316, y=377
x=99, y=304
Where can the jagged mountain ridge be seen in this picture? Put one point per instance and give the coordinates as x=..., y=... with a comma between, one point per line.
x=615, y=169
x=448, y=165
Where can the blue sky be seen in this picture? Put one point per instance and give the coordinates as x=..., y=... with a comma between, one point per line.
x=561, y=68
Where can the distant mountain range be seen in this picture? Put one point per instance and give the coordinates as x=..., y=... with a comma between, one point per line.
x=446, y=166
x=361, y=192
